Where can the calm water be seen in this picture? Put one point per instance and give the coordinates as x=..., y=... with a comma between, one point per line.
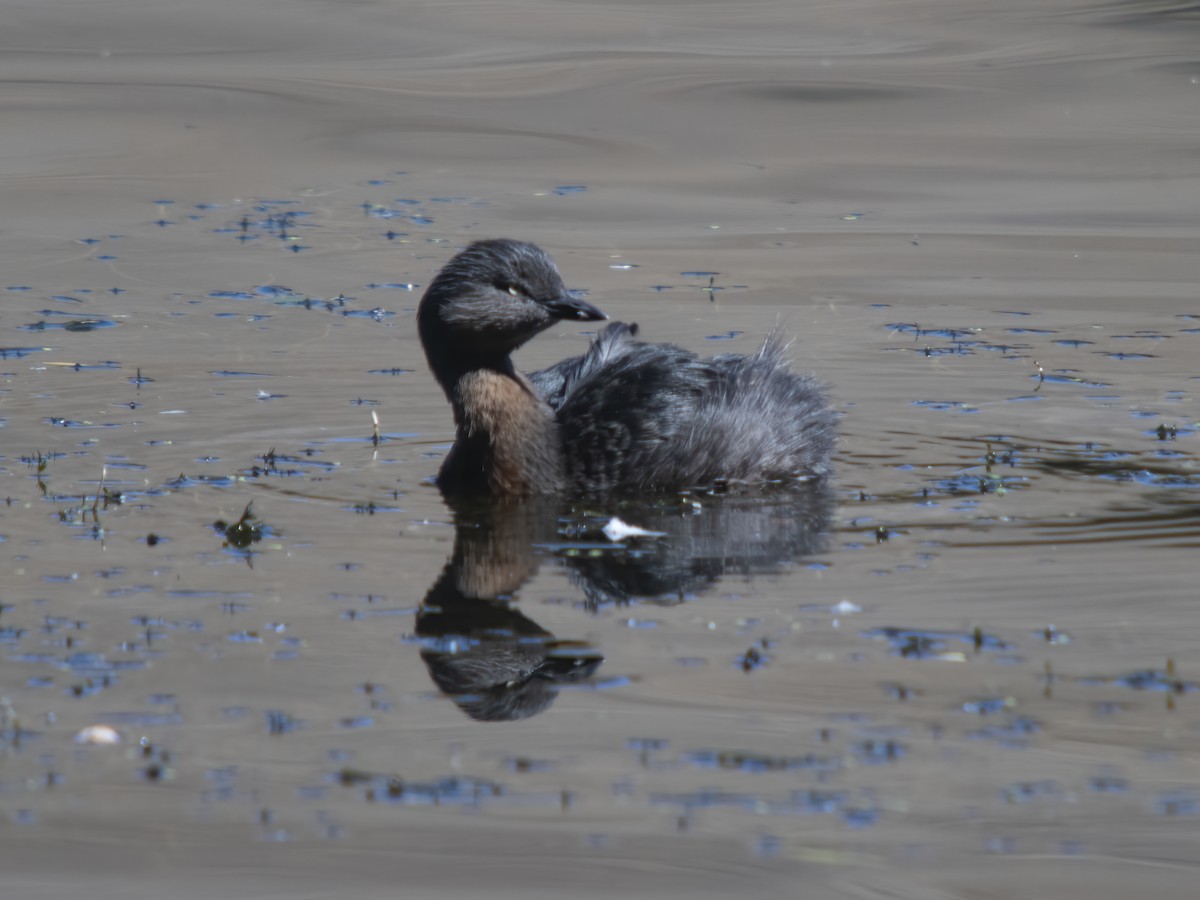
x=969, y=670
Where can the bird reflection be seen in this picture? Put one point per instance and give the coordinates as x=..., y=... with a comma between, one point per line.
x=497, y=664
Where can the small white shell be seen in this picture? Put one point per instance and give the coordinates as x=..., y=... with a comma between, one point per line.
x=98, y=734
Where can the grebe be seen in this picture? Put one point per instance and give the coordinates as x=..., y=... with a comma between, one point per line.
x=625, y=417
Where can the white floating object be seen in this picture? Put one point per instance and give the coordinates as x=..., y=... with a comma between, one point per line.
x=98, y=734
x=616, y=530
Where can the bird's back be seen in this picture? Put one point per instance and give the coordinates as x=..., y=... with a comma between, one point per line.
x=635, y=416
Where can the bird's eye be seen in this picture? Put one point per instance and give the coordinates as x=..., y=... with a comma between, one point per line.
x=514, y=290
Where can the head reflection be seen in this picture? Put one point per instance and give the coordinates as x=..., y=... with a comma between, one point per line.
x=497, y=664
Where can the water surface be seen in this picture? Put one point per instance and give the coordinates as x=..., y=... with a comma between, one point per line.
x=967, y=672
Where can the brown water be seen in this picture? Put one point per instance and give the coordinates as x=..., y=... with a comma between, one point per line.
x=940, y=200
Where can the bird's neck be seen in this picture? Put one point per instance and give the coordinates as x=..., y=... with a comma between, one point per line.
x=507, y=441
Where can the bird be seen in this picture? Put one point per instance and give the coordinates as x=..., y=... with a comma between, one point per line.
x=627, y=417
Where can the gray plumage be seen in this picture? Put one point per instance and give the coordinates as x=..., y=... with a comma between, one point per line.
x=626, y=416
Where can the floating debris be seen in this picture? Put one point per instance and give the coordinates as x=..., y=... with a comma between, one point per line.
x=75, y=325
x=914, y=643
x=1149, y=680
x=616, y=531
x=744, y=761
x=1026, y=791
x=242, y=533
